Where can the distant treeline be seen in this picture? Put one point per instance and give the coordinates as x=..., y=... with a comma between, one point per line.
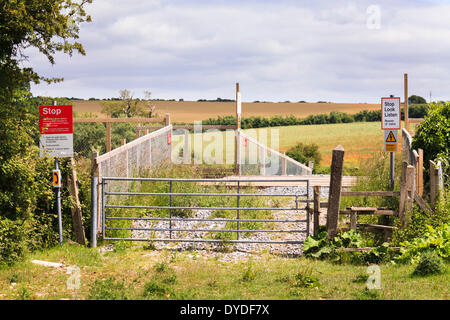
x=415, y=111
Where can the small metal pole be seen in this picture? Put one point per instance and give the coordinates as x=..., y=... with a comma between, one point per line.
x=392, y=172
x=94, y=181
x=103, y=208
x=170, y=210
x=58, y=206
x=237, y=211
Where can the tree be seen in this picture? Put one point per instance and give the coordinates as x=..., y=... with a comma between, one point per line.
x=416, y=100
x=48, y=25
x=304, y=153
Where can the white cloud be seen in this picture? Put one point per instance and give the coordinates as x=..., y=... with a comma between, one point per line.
x=277, y=50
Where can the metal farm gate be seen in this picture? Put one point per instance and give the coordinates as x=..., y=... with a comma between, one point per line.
x=156, y=216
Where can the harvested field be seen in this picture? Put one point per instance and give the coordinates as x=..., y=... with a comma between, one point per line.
x=189, y=111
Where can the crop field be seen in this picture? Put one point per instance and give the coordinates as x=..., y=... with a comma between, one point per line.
x=190, y=111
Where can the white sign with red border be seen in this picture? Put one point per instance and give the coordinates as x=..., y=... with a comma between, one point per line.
x=56, y=129
x=390, y=114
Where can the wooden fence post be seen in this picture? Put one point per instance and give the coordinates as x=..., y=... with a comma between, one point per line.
x=406, y=102
x=77, y=216
x=334, y=199
x=420, y=173
x=434, y=184
x=316, y=217
x=403, y=191
x=167, y=119
x=410, y=174
x=108, y=137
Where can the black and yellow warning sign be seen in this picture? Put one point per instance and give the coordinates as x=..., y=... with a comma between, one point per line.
x=390, y=140
x=56, y=179
x=391, y=137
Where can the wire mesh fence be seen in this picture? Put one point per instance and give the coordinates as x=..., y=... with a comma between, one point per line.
x=258, y=159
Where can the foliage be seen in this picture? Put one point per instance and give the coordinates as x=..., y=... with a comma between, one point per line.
x=321, y=248
x=253, y=122
x=433, y=135
x=436, y=239
x=430, y=263
x=416, y=100
x=304, y=153
x=12, y=241
x=25, y=24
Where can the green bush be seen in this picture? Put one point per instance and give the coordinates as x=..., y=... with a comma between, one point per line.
x=433, y=136
x=304, y=153
x=436, y=239
x=430, y=263
x=12, y=241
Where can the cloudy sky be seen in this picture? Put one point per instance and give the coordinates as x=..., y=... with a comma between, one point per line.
x=330, y=50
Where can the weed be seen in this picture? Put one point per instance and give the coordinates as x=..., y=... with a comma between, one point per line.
x=430, y=263
x=248, y=275
x=161, y=267
x=108, y=289
x=154, y=289
x=361, y=278
x=367, y=294
x=24, y=293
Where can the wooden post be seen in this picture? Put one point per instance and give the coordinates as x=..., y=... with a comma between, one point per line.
x=77, y=216
x=434, y=184
x=420, y=173
x=146, y=131
x=316, y=216
x=108, y=137
x=406, y=103
x=334, y=199
x=311, y=165
x=123, y=142
x=403, y=191
x=353, y=220
x=409, y=195
x=95, y=171
x=167, y=119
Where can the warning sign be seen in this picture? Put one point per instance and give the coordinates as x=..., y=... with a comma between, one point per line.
x=56, y=129
x=390, y=114
x=391, y=137
x=390, y=140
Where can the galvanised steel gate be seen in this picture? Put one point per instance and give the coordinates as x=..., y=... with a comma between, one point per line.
x=237, y=184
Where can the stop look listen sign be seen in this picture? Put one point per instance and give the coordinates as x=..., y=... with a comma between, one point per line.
x=56, y=129
x=390, y=113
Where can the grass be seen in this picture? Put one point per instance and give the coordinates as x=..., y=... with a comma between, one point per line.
x=136, y=273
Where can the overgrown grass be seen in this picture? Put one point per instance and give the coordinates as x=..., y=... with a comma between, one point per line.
x=141, y=274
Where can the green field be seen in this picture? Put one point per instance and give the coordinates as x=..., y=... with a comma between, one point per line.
x=360, y=139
